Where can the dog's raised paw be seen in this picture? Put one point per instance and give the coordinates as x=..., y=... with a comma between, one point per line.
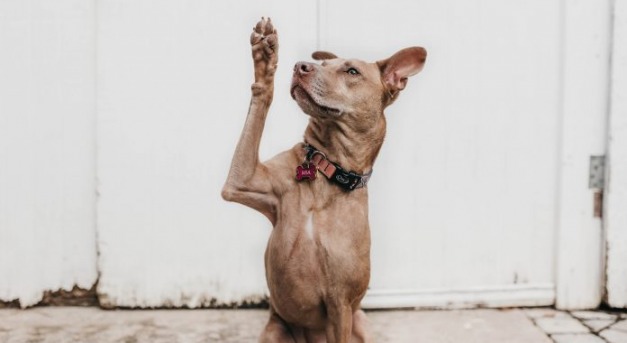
x=264, y=41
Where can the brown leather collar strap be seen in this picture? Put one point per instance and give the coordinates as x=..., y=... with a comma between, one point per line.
x=347, y=180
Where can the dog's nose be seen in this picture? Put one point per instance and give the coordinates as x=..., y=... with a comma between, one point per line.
x=303, y=68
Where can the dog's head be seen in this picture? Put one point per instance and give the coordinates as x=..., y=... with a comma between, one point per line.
x=352, y=89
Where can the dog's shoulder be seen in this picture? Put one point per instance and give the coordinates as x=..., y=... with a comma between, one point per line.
x=282, y=167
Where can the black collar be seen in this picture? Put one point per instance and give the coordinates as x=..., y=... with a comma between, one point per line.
x=346, y=180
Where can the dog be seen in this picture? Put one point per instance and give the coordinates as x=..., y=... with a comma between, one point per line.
x=315, y=195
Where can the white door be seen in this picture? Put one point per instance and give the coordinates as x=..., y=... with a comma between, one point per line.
x=467, y=194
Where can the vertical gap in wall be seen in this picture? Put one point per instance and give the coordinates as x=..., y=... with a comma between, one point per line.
x=318, y=24
x=321, y=29
x=96, y=141
x=560, y=144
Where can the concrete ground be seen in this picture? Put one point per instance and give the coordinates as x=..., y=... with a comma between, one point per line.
x=75, y=324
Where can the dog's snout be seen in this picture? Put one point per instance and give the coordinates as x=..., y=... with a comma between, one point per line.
x=303, y=68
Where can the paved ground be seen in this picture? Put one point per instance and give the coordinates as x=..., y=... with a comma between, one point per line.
x=581, y=326
x=68, y=324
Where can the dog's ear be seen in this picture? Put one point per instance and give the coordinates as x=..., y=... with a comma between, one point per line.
x=323, y=55
x=403, y=64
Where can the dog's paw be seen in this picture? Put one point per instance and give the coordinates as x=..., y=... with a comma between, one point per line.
x=265, y=47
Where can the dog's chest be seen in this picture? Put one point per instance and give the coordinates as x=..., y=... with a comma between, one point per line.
x=319, y=238
x=316, y=211
x=318, y=250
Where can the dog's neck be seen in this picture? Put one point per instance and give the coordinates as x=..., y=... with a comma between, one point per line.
x=353, y=150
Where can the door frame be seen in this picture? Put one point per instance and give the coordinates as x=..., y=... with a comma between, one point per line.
x=615, y=216
x=586, y=46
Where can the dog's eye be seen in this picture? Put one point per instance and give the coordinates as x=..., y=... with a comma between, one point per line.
x=352, y=71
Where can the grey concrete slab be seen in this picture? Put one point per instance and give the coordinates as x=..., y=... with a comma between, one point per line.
x=536, y=313
x=614, y=336
x=43, y=325
x=561, y=324
x=588, y=315
x=621, y=325
x=577, y=338
x=475, y=326
x=597, y=325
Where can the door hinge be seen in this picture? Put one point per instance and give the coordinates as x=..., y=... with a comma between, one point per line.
x=596, y=181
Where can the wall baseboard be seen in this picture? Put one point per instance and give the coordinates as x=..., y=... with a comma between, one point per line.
x=480, y=297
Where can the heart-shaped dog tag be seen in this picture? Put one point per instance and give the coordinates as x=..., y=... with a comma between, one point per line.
x=306, y=171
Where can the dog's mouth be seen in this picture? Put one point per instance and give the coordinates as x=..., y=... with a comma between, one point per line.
x=300, y=94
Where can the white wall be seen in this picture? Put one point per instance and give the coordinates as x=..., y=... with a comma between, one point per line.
x=47, y=144
x=495, y=134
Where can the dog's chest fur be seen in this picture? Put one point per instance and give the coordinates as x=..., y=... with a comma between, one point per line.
x=313, y=240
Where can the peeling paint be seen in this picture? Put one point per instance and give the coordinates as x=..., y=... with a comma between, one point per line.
x=261, y=302
x=76, y=296
x=10, y=304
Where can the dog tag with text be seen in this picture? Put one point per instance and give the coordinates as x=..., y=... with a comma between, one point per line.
x=307, y=171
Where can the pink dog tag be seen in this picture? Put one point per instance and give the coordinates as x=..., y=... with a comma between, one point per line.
x=306, y=171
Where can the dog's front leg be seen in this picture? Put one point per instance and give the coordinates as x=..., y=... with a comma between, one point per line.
x=340, y=323
x=249, y=181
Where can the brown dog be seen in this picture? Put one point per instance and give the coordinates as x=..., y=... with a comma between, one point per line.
x=318, y=255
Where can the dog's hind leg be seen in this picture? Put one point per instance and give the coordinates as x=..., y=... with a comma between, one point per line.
x=277, y=331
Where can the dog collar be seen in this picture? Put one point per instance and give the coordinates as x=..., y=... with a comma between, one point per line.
x=346, y=180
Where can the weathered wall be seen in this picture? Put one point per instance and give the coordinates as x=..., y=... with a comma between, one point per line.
x=486, y=156
x=47, y=145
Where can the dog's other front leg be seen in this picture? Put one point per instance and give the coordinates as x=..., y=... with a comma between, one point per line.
x=249, y=181
x=340, y=323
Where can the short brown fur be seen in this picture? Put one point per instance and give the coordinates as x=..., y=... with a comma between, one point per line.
x=318, y=255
